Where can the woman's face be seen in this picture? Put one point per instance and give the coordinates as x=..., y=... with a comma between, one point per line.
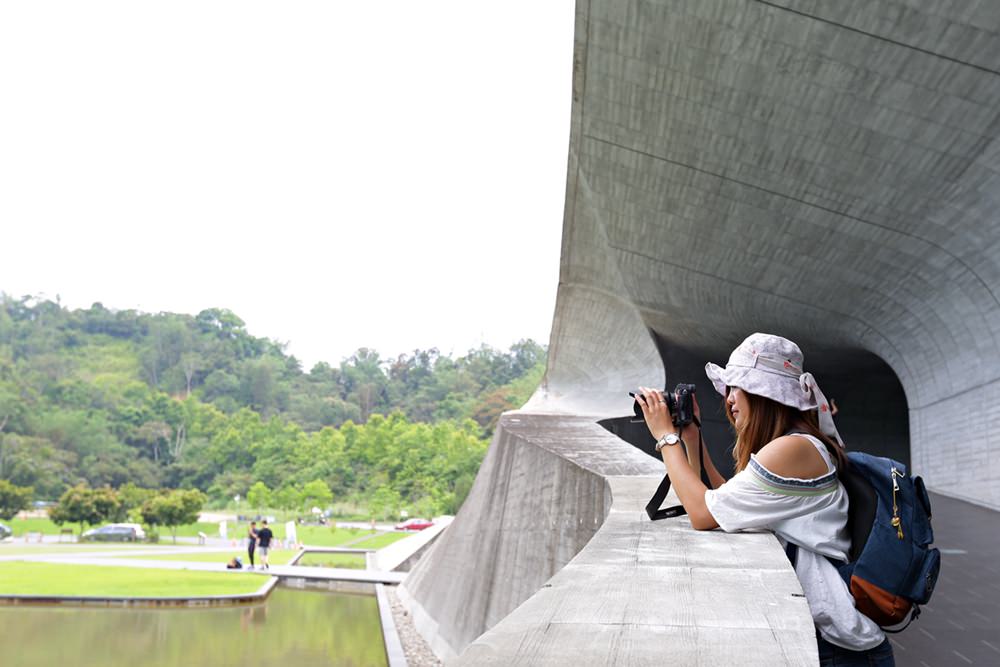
x=739, y=407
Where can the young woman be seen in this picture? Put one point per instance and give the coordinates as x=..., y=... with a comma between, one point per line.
x=251, y=542
x=787, y=456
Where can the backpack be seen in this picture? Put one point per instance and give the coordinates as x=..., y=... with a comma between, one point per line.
x=891, y=569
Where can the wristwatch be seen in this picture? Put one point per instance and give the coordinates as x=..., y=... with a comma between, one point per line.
x=667, y=439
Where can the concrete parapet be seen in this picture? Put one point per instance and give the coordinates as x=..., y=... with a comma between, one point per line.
x=553, y=550
x=540, y=496
x=645, y=593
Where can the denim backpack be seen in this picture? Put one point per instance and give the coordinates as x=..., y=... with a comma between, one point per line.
x=892, y=568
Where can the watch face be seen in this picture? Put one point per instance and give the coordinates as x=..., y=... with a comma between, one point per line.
x=672, y=439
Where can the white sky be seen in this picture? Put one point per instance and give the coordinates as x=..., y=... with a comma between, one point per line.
x=388, y=175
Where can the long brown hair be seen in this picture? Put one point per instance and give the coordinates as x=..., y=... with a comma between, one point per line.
x=769, y=420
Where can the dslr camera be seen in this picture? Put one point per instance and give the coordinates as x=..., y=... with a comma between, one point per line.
x=680, y=402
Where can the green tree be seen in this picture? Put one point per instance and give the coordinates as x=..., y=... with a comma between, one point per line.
x=259, y=496
x=286, y=498
x=86, y=506
x=383, y=502
x=13, y=499
x=173, y=509
x=315, y=494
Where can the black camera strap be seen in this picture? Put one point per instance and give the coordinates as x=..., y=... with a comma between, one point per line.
x=653, y=507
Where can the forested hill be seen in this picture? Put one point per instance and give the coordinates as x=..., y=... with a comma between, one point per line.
x=109, y=397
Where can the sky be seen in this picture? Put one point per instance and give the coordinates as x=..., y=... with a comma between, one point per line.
x=340, y=175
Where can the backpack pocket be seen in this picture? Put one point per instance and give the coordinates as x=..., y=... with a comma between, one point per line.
x=921, y=492
x=878, y=604
x=923, y=534
x=922, y=585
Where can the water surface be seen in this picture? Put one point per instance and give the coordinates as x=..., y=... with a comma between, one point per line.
x=297, y=628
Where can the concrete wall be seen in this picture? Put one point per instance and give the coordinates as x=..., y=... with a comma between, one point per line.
x=539, y=497
x=824, y=171
x=552, y=560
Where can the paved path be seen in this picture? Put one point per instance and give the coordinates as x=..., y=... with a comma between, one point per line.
x=961, y=626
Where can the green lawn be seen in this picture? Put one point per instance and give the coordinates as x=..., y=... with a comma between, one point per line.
x=322, y=536
x=39, y=525
x=352, y=561
x=19, y=578
x=379, y=541
x=20, y=548
x=276, y=557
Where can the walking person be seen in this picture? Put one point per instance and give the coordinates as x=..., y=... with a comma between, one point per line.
x=264, y=537
x=788, y=454
x=251, y=542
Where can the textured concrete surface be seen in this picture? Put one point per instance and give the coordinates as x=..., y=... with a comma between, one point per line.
x=828, y=172
x=644, y=593
x=539, y=497
x=553, y=550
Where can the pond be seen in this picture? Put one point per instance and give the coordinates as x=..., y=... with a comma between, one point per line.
x=299, y=628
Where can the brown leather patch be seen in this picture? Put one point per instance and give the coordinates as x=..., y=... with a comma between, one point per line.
x=877, y=604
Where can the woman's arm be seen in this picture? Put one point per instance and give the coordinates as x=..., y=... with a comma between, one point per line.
x=690, y=436
x=685, y=480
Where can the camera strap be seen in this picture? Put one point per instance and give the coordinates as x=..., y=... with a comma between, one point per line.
x=653, y=507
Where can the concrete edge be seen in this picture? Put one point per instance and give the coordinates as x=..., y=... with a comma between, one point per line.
x=426, y=626
x=390, y=636
x=411, y=548
x=120, y=601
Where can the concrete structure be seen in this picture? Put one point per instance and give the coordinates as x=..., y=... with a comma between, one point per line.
x=825, y=171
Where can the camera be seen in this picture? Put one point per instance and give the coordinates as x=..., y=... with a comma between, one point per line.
x=680, y=402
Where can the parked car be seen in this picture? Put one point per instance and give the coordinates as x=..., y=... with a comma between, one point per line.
x=414, y=524
x=115, y=532
x=5, y=531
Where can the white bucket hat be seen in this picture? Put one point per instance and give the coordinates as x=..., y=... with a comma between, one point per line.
x=771, y=366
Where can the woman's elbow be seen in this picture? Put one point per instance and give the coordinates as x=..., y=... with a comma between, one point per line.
x=703, y=520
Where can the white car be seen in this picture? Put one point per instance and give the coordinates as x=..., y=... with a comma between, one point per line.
x=139, y=532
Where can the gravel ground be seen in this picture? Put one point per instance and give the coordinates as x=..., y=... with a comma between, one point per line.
x=418, y=653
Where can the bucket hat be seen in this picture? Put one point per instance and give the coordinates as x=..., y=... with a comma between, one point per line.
x=771, y=366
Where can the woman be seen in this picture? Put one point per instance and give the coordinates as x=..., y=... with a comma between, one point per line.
x=251, y=542
x=787, y=456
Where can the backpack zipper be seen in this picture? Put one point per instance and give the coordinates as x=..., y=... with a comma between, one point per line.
x=895, y=509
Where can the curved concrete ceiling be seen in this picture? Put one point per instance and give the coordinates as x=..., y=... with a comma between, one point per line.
x=824, y=171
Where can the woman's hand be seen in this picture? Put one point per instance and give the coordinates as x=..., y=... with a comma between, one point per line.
x=655, y=411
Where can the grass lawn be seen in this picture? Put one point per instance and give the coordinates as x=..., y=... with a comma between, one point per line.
x=322, y=536
x=379, y=541
x=352, y=561
x=39, y=525
x=20, y=548
x=19, y=578
x=276, y=557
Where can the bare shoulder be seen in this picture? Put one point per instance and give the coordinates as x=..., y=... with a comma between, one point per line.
x=792, y=456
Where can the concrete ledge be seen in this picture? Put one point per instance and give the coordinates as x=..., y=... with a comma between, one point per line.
x=656, y=593
x=393, y=646
x=559, y=506
x=110, y=601
x=402, y=555
x=541, y=494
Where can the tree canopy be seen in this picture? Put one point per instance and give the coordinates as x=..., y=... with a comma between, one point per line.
x=114, y=398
